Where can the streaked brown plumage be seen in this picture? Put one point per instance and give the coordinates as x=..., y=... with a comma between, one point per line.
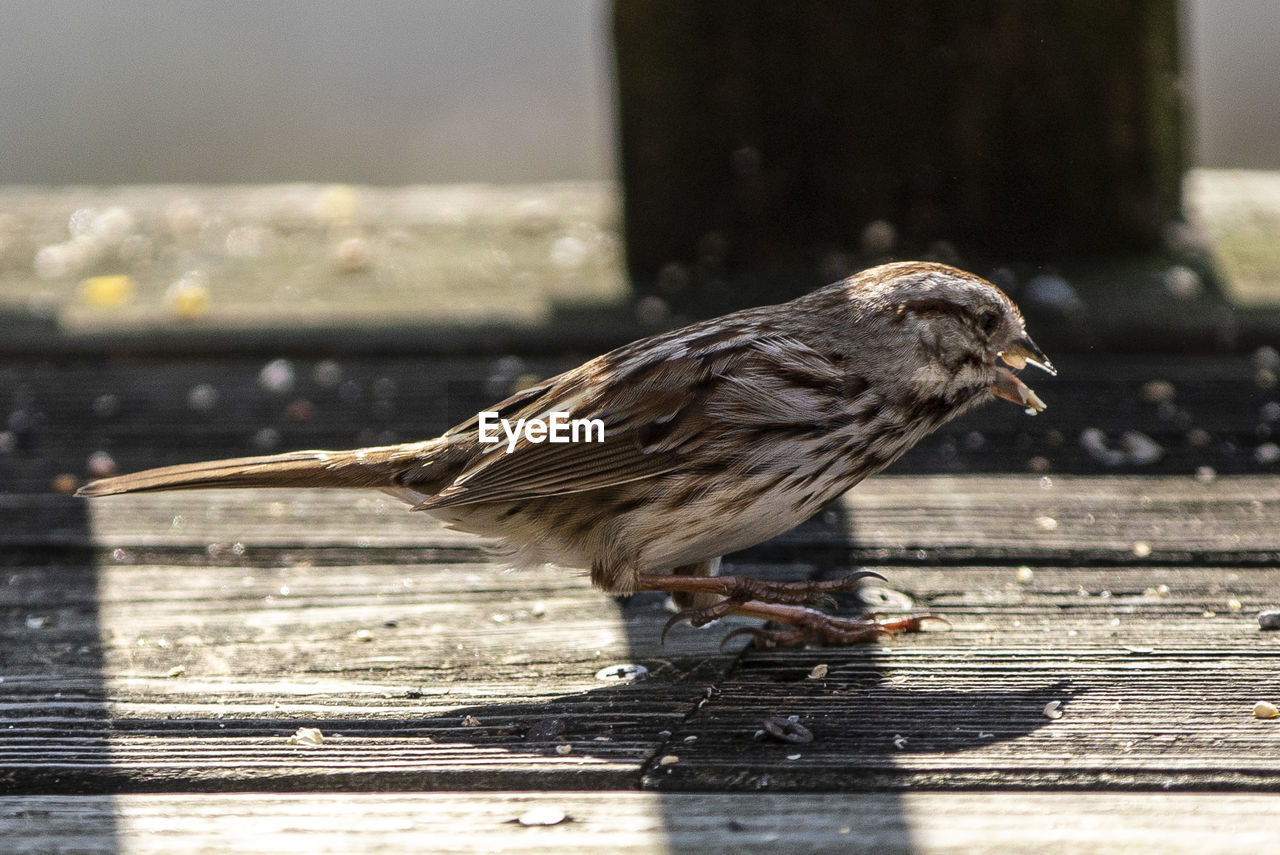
x=717, y=436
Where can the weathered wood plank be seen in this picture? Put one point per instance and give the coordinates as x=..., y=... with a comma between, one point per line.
x=1157, y=683
x=1156, y=670
x=271, y=642
x=646, y=823
x=898, y=518
x=260, y=597
x=1144, y=704
x=143, y=676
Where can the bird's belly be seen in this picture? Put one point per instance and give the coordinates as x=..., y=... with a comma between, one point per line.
x=707, y=529
x=578, y=530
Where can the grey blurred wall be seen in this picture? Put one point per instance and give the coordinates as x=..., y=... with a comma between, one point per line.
x=409, y=91
x=1233, y=84
x=386, y=92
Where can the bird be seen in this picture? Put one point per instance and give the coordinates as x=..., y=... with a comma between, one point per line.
x=710, y=438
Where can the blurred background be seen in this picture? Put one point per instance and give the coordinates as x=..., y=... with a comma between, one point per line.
x=410, y=92
x=420, y=92
x=180, y=174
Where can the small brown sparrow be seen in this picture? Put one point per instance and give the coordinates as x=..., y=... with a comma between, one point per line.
x=696, y=442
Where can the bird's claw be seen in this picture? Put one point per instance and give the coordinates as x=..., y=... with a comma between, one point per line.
x=745, y=589
x=816, y=628
x=684, y=614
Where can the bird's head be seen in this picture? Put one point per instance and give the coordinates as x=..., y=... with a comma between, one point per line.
x=963, y=334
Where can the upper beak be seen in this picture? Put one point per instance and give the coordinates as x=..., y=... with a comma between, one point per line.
x=1020, y=352
x=1024, y=350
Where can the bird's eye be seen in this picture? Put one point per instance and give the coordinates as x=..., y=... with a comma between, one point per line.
x=988, y=320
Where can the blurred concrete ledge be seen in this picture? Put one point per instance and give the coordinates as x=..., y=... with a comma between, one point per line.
x=1238, y=212
x=520, y=268
x=193, y=267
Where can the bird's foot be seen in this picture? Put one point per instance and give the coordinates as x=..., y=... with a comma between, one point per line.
x=780, y=602
x=742, y=589
x=806, y=626
x=736, y=591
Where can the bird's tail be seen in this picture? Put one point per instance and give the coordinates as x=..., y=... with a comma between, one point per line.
x=366, y=467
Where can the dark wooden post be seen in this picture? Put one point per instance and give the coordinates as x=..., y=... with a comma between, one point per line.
x=760, y=139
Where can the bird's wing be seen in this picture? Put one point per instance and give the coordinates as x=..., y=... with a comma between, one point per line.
x=657, y=409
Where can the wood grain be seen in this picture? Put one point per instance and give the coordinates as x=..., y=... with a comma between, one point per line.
x=645, y=823
x=890, y=518
x=422, y=677
x=157, y=652
x=159, y=663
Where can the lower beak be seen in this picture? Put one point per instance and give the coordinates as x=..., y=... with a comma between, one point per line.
x=1010, y=388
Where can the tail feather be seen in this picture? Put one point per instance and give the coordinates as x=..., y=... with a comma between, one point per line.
x=369, y=467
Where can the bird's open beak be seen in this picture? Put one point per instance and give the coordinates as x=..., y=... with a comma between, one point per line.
x=1021, y=352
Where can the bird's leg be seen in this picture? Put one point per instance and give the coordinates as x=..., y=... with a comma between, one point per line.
x=781, y=602
x=747, y=595
x=740, y=589
x=689, y=599
x=814, y=627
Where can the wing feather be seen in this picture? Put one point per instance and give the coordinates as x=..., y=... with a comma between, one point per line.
x=656, y=412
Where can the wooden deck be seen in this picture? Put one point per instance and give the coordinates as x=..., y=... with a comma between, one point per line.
x=159, y=651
